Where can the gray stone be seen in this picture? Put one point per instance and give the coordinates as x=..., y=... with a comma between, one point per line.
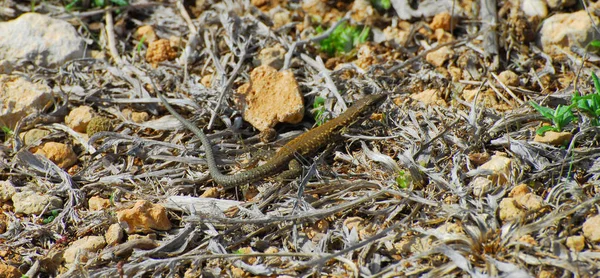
x=40, y=39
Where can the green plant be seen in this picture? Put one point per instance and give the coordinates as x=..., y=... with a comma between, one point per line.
x=594, y=46
x=138, y=47
x=589, y=104
x=560, y=117
x=319, y=107
x=343, y=39
x=381, y=4
x=403, y=180
x=6, y=130
x=49, y=219
x=98, y=3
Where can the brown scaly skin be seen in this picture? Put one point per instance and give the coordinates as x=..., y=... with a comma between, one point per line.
x=306, y=144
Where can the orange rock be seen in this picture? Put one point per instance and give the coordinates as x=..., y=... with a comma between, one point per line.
x=159, y=51
x=59, y=153
x=271, y=97
x=144, y=217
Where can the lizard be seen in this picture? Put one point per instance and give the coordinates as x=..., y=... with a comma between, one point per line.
x=305, y=144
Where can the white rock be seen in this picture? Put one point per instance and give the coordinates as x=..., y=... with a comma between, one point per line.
x=7, y=190
x=86, y=247
x=38, y=38
x=20, y=97
x=29, y=202
x=533, y=8
x=566, y=30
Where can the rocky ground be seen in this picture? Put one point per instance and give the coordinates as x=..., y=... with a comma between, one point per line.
x=481, y=162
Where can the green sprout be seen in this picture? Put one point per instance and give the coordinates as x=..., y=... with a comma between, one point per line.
x=560, y=117
x=589, y=104
x=403, y=180
x=319, y=106
x=381, y=4
x=138, y=47
x=594, y=46
x=49, y=219
x=98, y=3
x=343, y=39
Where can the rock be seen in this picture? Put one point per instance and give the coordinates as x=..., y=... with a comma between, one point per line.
x=20, y=97
x=146, y=32
x=442, y=21
x=86, y=247
x=9, y=271
x=137, y=117
x=98, y=203
x=507, y=210
x=7, y=190
x=79, y=118
x=480, y=186
x=533, y=8
x=429, y=97
x=114, y=234
x=397, y=35
x=519, y=190
x=140, y=117
x=591, y=229
x=98, y=124
x=528, y=239
x=315, y=7
x=160, y=51
x=281, y=18
x=271, y=97
x=563, y=30
x=576, y=243
x=144, y=217
x=59, y=153
x=546, y=274
x=501, y=168
x=554, y=138
x=32, y=136
x=440, y=56
x=29, y=202
x=530, y=201
x=40, y=39
x=479, y=158
x=363, y=11
x=272, y=56
x=509, y=78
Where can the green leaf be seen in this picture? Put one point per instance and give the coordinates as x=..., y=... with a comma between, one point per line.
x=120, y=2
x=343, y=39
x=382, y=4
x=547, y=112
x=402, y=180
x=319, y=106
x=71, y=5
x=100, y=3
x=543, y=129
x=595, y=43
x=596, y=82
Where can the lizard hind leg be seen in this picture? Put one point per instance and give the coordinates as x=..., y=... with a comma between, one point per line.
x=294, y=170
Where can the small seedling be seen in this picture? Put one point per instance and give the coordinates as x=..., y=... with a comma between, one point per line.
x=589, y=104
x=98, y=3
x=319, y=107
x=560, y=117
x=50, y=218
x=403, y=180
x=381, y=4
x=594, y=46
x=343, y=39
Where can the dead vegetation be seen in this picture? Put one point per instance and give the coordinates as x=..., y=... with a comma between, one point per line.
x=404, y=194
